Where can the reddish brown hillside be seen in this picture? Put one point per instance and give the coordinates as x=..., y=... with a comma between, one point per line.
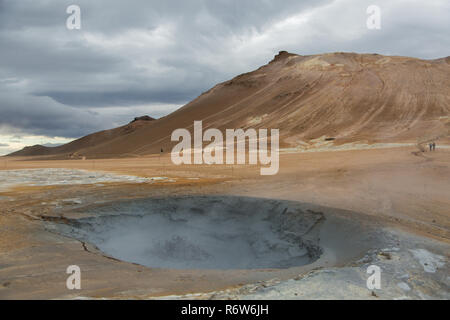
x=343, y=97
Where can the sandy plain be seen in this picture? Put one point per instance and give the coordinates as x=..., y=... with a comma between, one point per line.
x=397, y=189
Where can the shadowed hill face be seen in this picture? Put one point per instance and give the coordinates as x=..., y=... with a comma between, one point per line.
x=35, y=150
x=72, y=149
x=345, y=96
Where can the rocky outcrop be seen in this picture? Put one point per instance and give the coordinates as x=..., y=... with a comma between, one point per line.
x=143, y=118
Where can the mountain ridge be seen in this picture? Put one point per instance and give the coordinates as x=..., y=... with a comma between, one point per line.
x=342, y=97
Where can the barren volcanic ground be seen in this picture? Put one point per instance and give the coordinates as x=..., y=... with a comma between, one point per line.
x=176, y=231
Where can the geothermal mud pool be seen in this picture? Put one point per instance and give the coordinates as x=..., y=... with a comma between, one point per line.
x=202, y=233
x=324, y=252
x=265, y=248
x=211, y=233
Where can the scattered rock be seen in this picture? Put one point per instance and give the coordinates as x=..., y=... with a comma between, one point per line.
x=143, y=118
x=404, y=286
x=385, y=255
x=71, y=201
x=429, y=261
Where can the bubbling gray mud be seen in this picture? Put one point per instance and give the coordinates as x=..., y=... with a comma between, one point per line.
x=202, y=233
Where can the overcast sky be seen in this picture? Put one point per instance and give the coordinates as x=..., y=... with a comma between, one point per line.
x=133, y=57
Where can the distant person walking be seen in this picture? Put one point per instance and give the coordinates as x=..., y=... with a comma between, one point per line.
x=434, y=146
x=431, y=146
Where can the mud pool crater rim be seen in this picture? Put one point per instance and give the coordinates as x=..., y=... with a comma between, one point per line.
x=202, y=232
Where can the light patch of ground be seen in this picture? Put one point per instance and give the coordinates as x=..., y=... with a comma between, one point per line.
x=429, y=261
x=316, y=61
x=256, y=120
x=322, y=145
x=402, y=278
x=54, y=177
x=383, y=60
